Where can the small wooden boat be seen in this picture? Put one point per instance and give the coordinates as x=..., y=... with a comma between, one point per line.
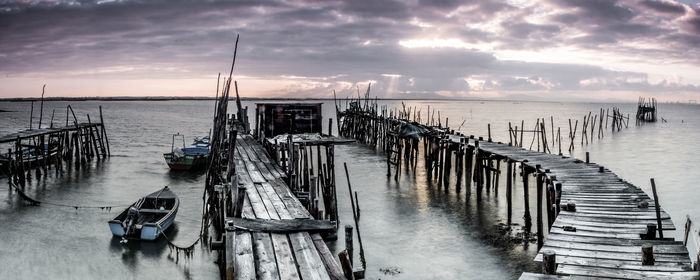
x=148, y=217
x=188, y=158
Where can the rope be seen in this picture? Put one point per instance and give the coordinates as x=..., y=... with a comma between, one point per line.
x=36, y=202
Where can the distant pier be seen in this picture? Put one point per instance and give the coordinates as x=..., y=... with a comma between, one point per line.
x=598, y=225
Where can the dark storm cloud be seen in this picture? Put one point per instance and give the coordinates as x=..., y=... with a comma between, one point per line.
x=668, y=7
x=333, y=43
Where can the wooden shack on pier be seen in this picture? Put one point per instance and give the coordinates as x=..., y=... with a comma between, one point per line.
x=273, y=119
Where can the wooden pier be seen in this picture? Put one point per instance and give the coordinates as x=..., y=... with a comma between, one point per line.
x=273, y=252
x=38, y=148
x=597, y=225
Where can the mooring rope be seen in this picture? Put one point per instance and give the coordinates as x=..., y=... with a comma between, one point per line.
x=187, y=250
x=36, y=202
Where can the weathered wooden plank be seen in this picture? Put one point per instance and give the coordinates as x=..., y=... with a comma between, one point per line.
x=533, y=276
x=282, y=226
x=568, y=251
x=245, y=261
x=267, y=202
x=623, y=273
x=292, y=203
x=286, y=263
x=265, y=263
x=277, y=202
x=257, y=203
x=334, y=270
x=622, y=264
x=230, y=254
x=309, y=261
x=623, y=248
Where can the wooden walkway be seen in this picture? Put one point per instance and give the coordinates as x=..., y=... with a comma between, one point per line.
x=603, y=237
x=270, y=255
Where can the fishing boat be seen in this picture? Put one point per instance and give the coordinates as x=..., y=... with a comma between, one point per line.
x=148, y=217
x=188, y=158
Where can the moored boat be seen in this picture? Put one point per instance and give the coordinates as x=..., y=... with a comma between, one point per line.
x=148, y=217
x=188, y=158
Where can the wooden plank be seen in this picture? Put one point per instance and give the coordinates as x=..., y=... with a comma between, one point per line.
x=267, y=202
x=286, y=263
x=309, y=261
x=257, y=203
x=533, y=276
x=622, y=264
x=623, y=273
x=277, y=202
x=334, y=270
x=230, y=254
x=660, y=248
x=265, y=263
x=567, y=251
x=290, y=201
x=282, y=226
x=245, y=261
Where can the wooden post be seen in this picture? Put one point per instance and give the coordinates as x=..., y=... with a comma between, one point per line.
x=651, y=232
x=588, y=157
x=349, y=243
x=104, y=132
x=468, y=172
x=540, y=233
x=658, y=209
x=31, y=116
x=558, y=188
x=687, y=230
x=41, y=111
x=240, y=198
x=549, y=262
x=528, y=218
x=509, y=192
x=647, y=254
x=346, y=265
x=489, y=128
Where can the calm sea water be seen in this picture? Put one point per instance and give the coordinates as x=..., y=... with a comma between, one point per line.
x=410, y=227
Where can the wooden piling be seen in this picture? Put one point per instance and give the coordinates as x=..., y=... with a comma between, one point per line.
x=657, y=209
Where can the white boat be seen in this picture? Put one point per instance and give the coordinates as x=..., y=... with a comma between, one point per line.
x=148, y=217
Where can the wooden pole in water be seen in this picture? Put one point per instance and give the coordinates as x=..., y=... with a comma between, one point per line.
x=354, y=214
x=468, y=172
x=104, y=131
x=526, y=195
x=41, y=111
x=349, y=243
x=540, y=233
x=658, y=210
x=509, y=191
x=31, y=116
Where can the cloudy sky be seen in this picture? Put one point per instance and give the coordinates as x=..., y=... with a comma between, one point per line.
x=546, y=49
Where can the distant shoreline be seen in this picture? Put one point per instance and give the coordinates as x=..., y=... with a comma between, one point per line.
x=170, y=98
x=204, y=98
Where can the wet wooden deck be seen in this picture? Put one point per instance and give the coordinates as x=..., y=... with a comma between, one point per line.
x=269, y=255
x=609, y=224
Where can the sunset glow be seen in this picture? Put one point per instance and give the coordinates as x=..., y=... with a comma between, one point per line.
x=547, y=48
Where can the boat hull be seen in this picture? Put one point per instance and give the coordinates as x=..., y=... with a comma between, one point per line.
x=151, y=232
x=147, y=218
x=116, y=228
x=188, y=162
